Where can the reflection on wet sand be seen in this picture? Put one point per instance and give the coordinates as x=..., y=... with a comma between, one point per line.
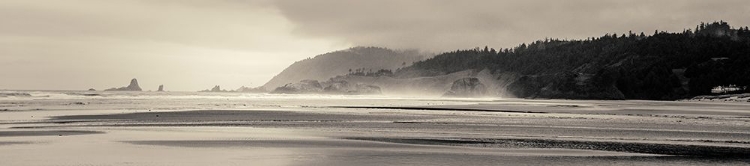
x=46, y=133
x=390, y=132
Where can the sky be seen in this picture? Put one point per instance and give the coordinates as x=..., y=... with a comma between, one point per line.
x=190, y=45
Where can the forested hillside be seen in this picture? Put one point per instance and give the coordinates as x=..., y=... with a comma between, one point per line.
x=660, y=65
x=325, y=66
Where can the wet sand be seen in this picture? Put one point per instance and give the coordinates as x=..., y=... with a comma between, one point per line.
x=46, y=133
x=379, y=132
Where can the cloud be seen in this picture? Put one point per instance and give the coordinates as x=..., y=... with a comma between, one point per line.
x=441, y=25
x=195, y=44
x=184, y=44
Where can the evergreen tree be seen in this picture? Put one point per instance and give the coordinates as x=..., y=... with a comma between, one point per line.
x=637, y=67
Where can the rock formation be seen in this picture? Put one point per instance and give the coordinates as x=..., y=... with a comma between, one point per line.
x=344, y=87
x=92, y=89
x=252, y=90
x=304, y=86
x=132, y=87
x=467, y=87
x=563, y=86
x=216, y=88
x=331, y=87
x=161, y=88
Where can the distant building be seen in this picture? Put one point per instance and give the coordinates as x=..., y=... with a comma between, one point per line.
x=719, y=58
x=726, y=89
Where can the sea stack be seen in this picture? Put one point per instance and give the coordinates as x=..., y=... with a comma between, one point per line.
x=161, y=88
x=216, y=89
x=133, y=86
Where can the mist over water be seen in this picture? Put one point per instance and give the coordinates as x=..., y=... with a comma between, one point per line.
x=387, y=82
x=61, y=95
x=196, y=128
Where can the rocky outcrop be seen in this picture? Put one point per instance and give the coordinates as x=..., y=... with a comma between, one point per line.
x=244, y=89
x=563, y=86
x=161, y=88
x=419, y=85
x=302, y=87
x=331, y=87
x=344, y=87
x=132, y=87
x=467, y=87
x=92, y=89
x=216, y=88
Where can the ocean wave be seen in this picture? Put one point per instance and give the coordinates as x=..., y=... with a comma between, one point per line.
x=23, y=95
x=14, y=94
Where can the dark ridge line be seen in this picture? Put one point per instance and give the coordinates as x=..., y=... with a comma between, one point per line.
x=701, y=151
x=438, y=109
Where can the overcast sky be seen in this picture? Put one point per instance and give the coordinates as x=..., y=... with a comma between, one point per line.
x=190, y=45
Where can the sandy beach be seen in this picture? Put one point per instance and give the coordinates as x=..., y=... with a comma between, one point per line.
x=236, y=129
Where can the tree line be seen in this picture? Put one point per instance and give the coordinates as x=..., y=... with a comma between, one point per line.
x=661, y=65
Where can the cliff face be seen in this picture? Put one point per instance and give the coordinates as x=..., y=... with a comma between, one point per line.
x=325, y=66
x=133, y=86
x=467, y=87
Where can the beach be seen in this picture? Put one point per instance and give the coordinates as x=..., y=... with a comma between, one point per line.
x=173, y=128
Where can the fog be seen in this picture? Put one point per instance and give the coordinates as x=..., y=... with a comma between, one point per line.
x=449, y=25
x=193, y=45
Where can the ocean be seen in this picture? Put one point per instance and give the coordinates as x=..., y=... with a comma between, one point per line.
x=203, y=128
